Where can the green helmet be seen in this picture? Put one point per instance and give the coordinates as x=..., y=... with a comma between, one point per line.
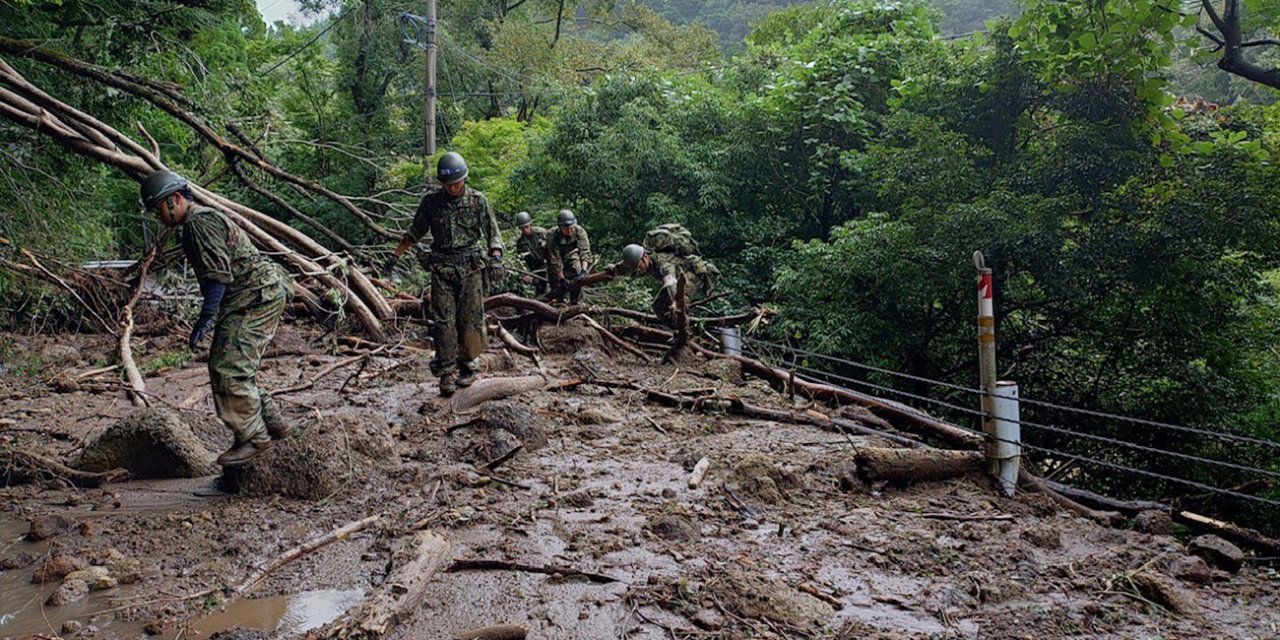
x=566, y=218
x=523, y=219
x=158, y=186
x=451, y=168
x=632, y=254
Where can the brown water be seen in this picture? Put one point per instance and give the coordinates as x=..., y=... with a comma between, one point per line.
x=281, y=616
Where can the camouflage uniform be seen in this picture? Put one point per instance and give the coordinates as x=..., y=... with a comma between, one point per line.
x=570, y=255
x=462, y=232
x=257, y=290
x=700, y=278
x=533, y=248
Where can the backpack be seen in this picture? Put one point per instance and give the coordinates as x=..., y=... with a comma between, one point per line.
x=671, y=238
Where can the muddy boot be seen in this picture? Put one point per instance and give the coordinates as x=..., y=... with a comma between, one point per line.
x=467, y=379
x=242, y=453
x=447, y=386
x=277, y=428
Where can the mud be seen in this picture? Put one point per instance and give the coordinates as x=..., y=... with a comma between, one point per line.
x=780, y=541
x=149, y=443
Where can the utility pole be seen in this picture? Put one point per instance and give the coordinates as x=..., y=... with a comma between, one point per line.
x=431, y=79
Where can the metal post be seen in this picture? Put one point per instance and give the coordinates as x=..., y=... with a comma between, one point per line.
x=987, y=357
x=1008, y=431
x=431, y=78
x=731, y=341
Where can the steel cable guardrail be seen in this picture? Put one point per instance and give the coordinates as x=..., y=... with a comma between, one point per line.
x=1030, y=401
x=829, y=376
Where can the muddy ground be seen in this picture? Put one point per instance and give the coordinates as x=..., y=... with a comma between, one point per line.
x=781, y=540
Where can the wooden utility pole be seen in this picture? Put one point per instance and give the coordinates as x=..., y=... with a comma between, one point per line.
x=431, y=79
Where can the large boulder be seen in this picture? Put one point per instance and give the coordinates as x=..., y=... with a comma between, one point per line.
x=149, y=443
x=1217, y=552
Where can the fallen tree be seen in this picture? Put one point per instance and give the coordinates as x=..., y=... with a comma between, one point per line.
x=903, y=466
x=27, y=105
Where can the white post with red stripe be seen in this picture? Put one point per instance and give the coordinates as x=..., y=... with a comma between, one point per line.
x=987, y=364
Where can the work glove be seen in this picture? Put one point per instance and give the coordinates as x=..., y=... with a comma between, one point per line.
x=581, y=275
x=213, y=292
x=389, y=267
x=496, y=271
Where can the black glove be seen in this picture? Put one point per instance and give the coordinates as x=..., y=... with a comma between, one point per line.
x=389, y=267
x=496, y=270
x=213, y=292
x=581, y=275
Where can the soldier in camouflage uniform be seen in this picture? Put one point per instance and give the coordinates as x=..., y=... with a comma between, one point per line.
x=532, y=246
x=699, y=276
x=464, y=240
x=568, y=252
x=244, y=297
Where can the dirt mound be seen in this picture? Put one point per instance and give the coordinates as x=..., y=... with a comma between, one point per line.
x=501, y=427
x=150, y=443
x=366, y=431
x=567, y=339
x=771, y=599
x=758, y=477
x=309, y=466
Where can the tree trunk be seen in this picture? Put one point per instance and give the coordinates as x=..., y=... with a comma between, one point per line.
x=904, y=466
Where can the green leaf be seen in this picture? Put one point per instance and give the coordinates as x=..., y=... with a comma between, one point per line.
x=1087, y=41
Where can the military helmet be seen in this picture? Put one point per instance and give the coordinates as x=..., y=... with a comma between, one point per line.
x=158, y=186
x=566, y=218
x=451, y=168
x=632, y=254
x=523, y=219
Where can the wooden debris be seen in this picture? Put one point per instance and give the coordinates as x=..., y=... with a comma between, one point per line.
x=903, y=466
x=499, y=632
x=699, y=473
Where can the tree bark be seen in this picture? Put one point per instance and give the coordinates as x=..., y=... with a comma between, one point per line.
x=904, y=466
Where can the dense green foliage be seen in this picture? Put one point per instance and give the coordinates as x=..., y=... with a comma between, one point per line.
x=842, y=164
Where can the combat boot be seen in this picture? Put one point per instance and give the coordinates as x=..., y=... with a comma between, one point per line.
x=467, y=379
x=242, y=453
x=447, y=386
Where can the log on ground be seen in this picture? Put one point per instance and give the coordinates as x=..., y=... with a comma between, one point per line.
x=903, y=466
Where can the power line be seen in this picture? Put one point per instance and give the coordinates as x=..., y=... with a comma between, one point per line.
x=333, y=23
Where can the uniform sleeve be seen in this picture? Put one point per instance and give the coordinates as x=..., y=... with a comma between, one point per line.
x=209, y=242
x=555, y=265
x=491, y=226
x=584, y=248
x=421, y=226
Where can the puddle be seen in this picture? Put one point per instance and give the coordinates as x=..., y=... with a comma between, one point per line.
x=280, y=616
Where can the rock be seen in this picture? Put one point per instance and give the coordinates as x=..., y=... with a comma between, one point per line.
x=48, y=526
x=758, y=477
x=757, y=597
x=307, y=467
x=150, y=443
x=577, y=499
x=103, y=583
x=89, y=574
x=599, y=415
x=1191, y=569
x=71, y=626
x=18, y=561
x=117, y=563
x=65, y=384
x=1217, y=552
x=1043, y=536
x=675, y=528
x=240, y=634
x=709, y=619
x=1158, y=590
x=68, y=592
x=57, y=568
x=1157, y=523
